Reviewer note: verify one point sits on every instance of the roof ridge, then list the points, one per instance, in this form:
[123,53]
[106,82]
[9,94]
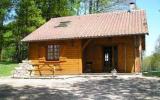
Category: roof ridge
[112,12]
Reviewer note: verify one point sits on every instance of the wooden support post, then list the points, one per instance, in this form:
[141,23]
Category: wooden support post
[81,59]
[135,52]
[140,52]
[85,45]
[125,65]
[83,52]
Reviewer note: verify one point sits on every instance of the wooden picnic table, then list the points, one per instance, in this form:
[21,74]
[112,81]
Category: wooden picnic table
[51,64]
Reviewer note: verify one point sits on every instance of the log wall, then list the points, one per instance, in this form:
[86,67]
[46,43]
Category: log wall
[71,54]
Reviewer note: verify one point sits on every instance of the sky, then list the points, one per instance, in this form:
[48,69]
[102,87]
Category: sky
[152,8]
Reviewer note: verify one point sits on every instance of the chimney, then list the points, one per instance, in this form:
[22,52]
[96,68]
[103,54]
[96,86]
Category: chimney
[132,5]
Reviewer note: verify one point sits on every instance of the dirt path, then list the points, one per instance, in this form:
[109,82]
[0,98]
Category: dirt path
[99,87]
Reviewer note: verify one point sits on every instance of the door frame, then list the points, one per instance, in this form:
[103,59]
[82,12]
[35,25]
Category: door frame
[114,57]
[109,58]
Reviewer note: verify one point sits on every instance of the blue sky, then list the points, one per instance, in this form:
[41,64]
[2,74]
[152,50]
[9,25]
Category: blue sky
[152,8]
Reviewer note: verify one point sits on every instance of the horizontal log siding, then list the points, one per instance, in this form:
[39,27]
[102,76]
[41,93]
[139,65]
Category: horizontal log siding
[70,53]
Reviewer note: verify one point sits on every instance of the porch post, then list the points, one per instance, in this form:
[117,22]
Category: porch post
[125,59]
[140,53]
[81,59]
[86,44]
[135,52]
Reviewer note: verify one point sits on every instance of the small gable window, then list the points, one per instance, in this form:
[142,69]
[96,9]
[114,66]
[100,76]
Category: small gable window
[53,52]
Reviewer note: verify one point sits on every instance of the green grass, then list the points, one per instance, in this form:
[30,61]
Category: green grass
[6,68]
[152,73]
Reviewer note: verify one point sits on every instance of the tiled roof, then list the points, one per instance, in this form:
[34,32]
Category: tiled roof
[91,26]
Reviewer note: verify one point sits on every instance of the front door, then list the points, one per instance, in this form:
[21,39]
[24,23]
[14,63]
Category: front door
[107,59]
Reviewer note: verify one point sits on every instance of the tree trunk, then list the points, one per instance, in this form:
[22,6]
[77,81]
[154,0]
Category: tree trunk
[18,53]
[0,54]
[97,5]
[1,45]
[1,38]
[90,7]
[85,7]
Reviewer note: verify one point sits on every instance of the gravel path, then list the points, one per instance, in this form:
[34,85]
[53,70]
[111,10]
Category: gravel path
[86,87]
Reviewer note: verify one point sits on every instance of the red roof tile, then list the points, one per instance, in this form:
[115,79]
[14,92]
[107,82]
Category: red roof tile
[91,26]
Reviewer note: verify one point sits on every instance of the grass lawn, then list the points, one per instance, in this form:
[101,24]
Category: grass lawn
[153,73]
[6,68]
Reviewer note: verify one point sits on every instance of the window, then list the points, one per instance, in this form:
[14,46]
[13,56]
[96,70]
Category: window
[106,57]
[53,52]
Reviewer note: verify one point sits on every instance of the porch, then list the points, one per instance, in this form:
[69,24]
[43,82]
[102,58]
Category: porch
[102,55]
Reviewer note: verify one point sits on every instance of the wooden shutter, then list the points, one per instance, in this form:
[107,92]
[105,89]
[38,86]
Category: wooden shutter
[42,52]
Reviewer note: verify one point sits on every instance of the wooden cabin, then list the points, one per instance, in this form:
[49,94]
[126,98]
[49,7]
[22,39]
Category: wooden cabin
[94,43]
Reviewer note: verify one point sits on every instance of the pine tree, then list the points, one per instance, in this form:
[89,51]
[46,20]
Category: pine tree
[4,7]
[27,20]
[57,8]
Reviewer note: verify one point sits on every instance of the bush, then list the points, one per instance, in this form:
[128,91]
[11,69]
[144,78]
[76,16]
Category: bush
[152,73]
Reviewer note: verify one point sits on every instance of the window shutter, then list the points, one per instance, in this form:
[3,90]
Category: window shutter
[42,53]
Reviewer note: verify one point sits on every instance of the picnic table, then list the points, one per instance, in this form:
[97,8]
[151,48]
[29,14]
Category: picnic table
[51,64]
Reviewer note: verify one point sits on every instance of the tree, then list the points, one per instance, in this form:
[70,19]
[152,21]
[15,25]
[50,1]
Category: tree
[4,8]
[28,18]
[57,8]
[157,47]
[8,43]
[146,63]
[96,6]
[156,56]
[117,5]
[152,63]
[30,14]
[92,6]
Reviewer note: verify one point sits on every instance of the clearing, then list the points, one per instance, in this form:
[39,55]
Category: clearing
[82,87]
